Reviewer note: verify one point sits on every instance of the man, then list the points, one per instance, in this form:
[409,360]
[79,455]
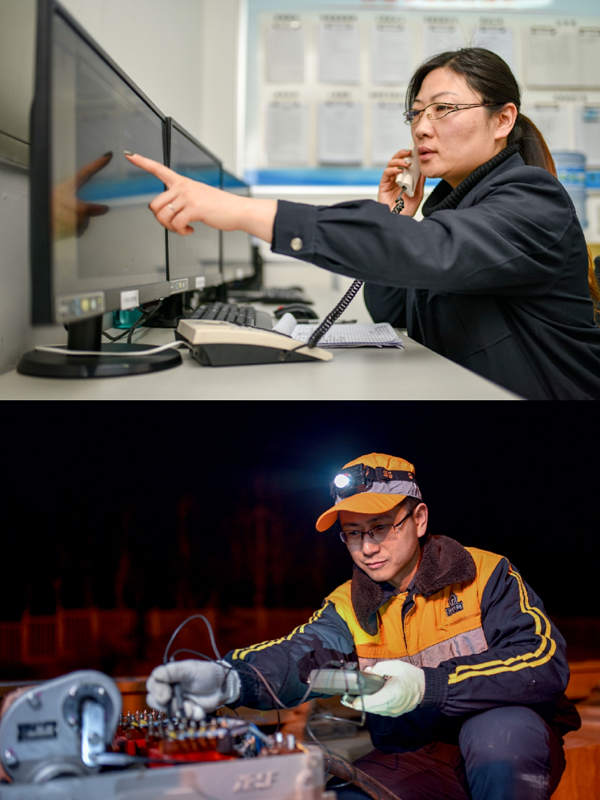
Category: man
[473,704]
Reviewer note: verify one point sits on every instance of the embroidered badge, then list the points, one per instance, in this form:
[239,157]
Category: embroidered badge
[454,605]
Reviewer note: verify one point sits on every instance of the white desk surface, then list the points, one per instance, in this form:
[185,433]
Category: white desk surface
[415,373]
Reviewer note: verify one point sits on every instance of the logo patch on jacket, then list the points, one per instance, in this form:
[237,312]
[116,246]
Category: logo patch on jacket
[454,605]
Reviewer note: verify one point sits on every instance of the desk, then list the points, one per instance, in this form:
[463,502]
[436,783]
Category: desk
[415,373]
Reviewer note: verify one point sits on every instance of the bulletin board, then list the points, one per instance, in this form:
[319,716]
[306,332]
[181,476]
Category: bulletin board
[322,84]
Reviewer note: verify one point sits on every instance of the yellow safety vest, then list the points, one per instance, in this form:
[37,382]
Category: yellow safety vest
[444,625]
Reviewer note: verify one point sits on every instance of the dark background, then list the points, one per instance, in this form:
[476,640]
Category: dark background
[158,505]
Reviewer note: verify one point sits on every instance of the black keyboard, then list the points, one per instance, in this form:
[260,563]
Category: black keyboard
[271,294]
[232,312]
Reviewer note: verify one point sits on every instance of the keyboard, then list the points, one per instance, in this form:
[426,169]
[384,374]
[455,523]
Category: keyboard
[272,294]
[245,315]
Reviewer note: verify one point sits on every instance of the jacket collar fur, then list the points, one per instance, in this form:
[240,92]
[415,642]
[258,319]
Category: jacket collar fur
[444,561]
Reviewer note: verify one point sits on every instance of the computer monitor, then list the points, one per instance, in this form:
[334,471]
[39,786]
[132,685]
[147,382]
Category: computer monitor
[95,246]
[194,261]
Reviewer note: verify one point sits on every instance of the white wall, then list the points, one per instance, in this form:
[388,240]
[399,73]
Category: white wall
[219,79]
[157,43]
[181,53]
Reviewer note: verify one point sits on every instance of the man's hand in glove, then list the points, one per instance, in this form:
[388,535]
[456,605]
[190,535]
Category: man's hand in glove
[401,693]
[192,687]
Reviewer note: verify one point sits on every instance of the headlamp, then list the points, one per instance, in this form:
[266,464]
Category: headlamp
[341,481]
[361,477]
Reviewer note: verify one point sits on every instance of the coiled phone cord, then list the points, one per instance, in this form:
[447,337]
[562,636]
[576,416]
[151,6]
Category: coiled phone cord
[334,314]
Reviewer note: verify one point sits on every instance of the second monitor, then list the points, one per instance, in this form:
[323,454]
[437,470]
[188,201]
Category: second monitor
[194,261]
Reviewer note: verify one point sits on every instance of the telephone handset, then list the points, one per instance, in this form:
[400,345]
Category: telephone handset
[407,182]
[407,179]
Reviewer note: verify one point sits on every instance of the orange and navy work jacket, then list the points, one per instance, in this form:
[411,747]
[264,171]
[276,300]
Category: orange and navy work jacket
[477,629]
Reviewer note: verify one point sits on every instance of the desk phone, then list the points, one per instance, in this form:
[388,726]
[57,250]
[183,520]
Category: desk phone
[217,343]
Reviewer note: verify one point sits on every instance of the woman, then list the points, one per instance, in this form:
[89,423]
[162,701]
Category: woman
[495,277]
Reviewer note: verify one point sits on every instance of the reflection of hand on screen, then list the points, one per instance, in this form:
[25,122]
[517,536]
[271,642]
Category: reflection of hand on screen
[71,215]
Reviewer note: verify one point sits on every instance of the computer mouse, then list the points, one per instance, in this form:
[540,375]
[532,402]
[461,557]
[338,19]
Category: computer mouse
[299,310]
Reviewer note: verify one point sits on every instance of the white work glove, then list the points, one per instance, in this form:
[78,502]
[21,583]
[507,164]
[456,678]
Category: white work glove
[401,693]
[192,687]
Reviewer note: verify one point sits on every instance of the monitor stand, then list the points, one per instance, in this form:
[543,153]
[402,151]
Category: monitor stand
[86,335]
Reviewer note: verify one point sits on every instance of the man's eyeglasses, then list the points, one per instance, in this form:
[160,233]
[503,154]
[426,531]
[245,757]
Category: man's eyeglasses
[376,534]
[439,110]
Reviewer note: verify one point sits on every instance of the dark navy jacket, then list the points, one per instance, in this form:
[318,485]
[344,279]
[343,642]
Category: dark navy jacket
[502,651]
[497,284]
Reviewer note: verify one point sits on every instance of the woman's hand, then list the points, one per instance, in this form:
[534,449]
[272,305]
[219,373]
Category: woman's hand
[389,189]
[186,201]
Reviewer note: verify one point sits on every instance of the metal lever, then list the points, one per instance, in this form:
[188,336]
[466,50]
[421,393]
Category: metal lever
[93,732]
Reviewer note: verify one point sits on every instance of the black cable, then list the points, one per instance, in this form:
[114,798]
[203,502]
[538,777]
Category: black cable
[191,652]
[126,332]
[142,320]
[146,315]
[185,622]
[177,695]
[270,690]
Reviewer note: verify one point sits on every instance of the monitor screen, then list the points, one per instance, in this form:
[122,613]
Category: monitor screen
[196,257]
[237,245]
[95,245]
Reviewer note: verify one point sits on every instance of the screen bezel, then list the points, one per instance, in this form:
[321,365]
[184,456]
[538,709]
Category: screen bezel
[251,266]
[218,280]
[43,294]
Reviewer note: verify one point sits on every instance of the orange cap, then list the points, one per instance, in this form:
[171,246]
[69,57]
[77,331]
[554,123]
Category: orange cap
[381,495]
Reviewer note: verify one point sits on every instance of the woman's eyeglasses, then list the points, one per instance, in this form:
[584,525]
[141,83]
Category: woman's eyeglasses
[439,110]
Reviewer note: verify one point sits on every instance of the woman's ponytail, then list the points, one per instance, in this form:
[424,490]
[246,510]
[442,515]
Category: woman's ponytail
[532,145]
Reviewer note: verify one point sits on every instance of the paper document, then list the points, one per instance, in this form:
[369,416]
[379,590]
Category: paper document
[551,56]
[441,34]
[340,132]
[286,136]
[285,50]
[588,48]
[388,131]
[339,49]
[497,37]
[354,334]
[554,121]
[391,51]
